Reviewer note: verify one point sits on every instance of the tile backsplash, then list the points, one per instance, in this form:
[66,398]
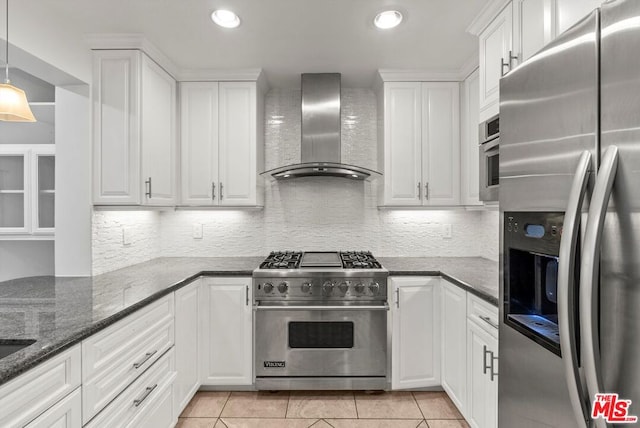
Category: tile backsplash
[313,213]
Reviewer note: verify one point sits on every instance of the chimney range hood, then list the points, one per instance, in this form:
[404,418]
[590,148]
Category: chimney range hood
[321,133]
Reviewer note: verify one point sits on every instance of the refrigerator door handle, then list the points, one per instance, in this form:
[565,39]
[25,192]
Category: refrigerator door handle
[590,273]
[567,289]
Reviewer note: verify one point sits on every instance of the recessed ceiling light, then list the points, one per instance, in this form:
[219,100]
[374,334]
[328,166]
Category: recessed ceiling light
[225,18]
[388,19]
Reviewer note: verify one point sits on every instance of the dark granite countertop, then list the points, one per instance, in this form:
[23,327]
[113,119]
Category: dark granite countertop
[59,312]
[475,274]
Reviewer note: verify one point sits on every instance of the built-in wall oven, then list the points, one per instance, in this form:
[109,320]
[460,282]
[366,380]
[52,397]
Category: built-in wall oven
[319,325]
[489,159]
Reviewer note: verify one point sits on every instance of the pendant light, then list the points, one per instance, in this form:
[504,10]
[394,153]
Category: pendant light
[14,106]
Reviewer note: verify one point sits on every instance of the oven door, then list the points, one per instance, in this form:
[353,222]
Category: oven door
[489,170]
[296,339]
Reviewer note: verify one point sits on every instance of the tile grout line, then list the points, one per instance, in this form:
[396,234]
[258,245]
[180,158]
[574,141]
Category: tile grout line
[223,406]
[418,404]
[355,404]
[325,421]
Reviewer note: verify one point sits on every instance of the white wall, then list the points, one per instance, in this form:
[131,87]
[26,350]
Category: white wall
[25,258]
[73,182]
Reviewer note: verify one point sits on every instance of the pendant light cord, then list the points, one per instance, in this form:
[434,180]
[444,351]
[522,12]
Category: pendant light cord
[6,69]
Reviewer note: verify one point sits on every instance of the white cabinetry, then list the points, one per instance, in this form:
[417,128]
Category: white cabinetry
[571,11]
[66,413]
[535,25]
[27,191]
[134,141]
[43,389]
[421,144]
[469,149]
[415,320]
[454,343]
[495,60]
[186,344]
[221,143]
[482,364]
[225,331]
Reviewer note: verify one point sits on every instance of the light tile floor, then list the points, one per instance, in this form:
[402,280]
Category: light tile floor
[321,409]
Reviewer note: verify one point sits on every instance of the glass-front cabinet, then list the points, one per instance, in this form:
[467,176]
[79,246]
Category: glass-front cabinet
[27,191]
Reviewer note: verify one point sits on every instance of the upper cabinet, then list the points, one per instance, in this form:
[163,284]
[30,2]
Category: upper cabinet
[470,176]
[134,138]
[421,143]
[514,33]
[535,25]
[496,59]
[27,191]
[221,143]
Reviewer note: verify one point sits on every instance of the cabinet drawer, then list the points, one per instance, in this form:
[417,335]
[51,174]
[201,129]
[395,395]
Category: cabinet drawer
[115,357]
[483,313]
[66,413]
[27,396]
[145,401]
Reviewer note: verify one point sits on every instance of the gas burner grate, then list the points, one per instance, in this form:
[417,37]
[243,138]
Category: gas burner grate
[359,260]
[282,260]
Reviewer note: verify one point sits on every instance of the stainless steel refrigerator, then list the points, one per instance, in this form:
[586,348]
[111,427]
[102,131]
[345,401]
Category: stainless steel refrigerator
[570,224]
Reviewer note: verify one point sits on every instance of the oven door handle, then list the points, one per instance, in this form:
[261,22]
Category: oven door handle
[491,145]
[567,290]
[384,307]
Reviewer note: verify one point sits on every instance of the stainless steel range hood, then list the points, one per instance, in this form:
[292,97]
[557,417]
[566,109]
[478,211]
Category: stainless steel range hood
[321,135]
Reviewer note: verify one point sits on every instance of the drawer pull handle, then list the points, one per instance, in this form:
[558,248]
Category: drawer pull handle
[488,321]
[145,359]
[138,401]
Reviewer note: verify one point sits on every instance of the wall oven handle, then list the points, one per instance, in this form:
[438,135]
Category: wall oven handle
[590,272]
[567,290]
[384,307]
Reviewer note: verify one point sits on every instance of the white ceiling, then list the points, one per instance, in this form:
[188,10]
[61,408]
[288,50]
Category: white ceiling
[288,37]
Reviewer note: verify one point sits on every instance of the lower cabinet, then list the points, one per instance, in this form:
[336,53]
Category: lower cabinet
[41,395]
[225,331]
[66,413]
[482,364]
[415,340]
[146,403]
[454,343]
[187,358]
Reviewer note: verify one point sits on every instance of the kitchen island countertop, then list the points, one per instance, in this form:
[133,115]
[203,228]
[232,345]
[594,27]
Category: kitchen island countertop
[59,312]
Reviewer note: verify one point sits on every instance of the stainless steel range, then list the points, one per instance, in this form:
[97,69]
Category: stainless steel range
[320,321]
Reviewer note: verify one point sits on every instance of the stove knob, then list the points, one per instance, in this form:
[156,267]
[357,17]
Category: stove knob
[306,287]
[283,287]
[327,287]
[267,287]
[359,288]
[374,287]
[343,287]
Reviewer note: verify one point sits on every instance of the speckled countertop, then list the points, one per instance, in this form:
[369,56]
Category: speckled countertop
[475,274]
[59,312]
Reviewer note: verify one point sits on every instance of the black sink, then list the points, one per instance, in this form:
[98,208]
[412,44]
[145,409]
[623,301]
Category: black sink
[9,346]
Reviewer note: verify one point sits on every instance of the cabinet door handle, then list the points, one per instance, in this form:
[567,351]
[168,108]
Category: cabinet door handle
[213,191]
[397,298]
[221,190]
[485,367]
[144,360]
[502,66]
[147,391]
[247,295]
[511,58]
[419,191]
[488,321]
[426,191]
[493,359]
[148,188]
